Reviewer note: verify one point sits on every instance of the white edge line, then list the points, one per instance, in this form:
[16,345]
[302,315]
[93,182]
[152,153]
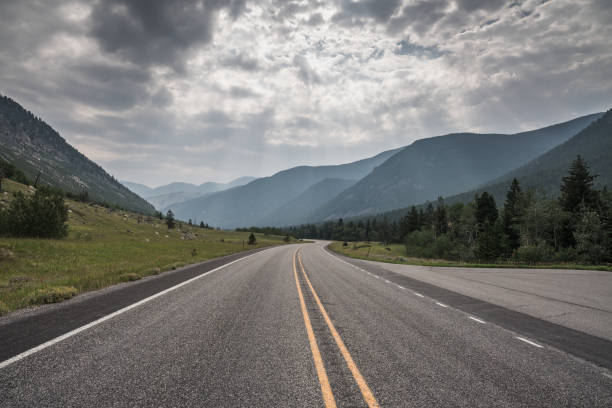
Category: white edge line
[71,333]
[476,320]
[441,304]
[529,342]
[418,294]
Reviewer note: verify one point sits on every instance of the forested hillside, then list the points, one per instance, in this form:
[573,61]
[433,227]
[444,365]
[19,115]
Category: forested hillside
[37,149]
[445,165]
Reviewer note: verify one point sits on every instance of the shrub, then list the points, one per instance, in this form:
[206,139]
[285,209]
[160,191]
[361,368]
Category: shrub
[129,277]
[532,254]
[252,239]
[43,215]
[54,294]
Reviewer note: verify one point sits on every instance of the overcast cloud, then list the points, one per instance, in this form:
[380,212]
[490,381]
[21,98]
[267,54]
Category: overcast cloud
[198,90]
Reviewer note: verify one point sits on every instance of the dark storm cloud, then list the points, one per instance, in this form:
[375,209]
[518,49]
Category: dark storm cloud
[157,32]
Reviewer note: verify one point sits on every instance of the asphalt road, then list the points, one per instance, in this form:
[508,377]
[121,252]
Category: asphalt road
[295,326]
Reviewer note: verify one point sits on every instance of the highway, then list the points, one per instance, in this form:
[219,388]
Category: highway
[297,326]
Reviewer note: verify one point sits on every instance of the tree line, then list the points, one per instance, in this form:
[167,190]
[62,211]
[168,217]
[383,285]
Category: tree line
[530,227]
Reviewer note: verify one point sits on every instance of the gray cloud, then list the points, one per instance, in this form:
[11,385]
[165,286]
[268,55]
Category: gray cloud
[158,32]
[211,90]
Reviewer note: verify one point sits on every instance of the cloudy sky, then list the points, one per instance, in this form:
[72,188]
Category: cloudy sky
[196,90]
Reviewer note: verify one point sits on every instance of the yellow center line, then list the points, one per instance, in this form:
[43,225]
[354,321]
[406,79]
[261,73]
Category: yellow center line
[328,396]
[368,396]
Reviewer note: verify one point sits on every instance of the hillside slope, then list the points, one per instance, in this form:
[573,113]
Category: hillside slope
[445,165]
[545,173]
[297,210]
[247,205]
[34,146]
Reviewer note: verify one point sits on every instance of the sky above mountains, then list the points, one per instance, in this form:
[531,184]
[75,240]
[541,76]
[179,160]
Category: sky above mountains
[191,90]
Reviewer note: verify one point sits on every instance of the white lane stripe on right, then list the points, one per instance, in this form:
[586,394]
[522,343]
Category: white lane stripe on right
[441,304]
[418,294]
[56,340]
[529,342]
[476,320]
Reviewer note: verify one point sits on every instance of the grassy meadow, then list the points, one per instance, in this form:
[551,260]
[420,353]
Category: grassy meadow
[396,253]
[103,247]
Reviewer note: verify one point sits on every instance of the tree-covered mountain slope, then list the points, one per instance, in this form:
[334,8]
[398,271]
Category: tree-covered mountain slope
[445,165]
[33,146]
[247,205]
[298,210]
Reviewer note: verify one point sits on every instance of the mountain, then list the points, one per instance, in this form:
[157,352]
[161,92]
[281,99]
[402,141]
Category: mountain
[178,192]
[298,210]
[33,146]
[445,165]
[545,173]
[247,205]
[137,188]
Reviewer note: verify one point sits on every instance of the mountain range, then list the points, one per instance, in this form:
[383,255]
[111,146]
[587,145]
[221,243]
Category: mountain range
[258,200]
[177,192]
[455,166]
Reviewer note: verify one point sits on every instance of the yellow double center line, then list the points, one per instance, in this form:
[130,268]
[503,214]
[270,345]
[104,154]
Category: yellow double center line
[328,396]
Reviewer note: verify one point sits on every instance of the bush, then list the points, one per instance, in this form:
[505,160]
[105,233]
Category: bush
[252,239]
[533,254]
[129,277]
[42,216]
[54,294]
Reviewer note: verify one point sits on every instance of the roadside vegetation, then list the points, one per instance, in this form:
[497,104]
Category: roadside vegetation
[531,229]
[97,247]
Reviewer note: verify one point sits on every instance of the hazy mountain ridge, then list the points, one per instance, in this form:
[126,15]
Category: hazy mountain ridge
[33,146]
[248,204]
[445,165]
[178,192]
[298,210]
[594,144]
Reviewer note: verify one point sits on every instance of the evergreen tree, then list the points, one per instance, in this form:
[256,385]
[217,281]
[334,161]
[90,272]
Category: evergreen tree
[170,219]
[440,219]
[513,211]
[202,224]
[413,221]
[577,188]
[486,210]
[252,239]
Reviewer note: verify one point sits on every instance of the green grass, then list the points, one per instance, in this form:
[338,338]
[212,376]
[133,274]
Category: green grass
[396,253]
[103,248]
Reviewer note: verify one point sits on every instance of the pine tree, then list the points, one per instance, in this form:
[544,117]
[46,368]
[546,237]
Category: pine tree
[577,188]
[513,211]
[486,210]
[170,219]
[252,239]
[440,219]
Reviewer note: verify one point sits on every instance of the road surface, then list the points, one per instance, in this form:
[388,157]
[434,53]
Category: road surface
[296,326]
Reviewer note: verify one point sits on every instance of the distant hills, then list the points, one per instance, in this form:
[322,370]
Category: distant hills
[34,146]
[258,200]
[445,165]
[298,210]
[177,192]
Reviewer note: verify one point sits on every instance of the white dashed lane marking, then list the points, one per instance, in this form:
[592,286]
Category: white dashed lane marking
[476,320]
[529,342]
